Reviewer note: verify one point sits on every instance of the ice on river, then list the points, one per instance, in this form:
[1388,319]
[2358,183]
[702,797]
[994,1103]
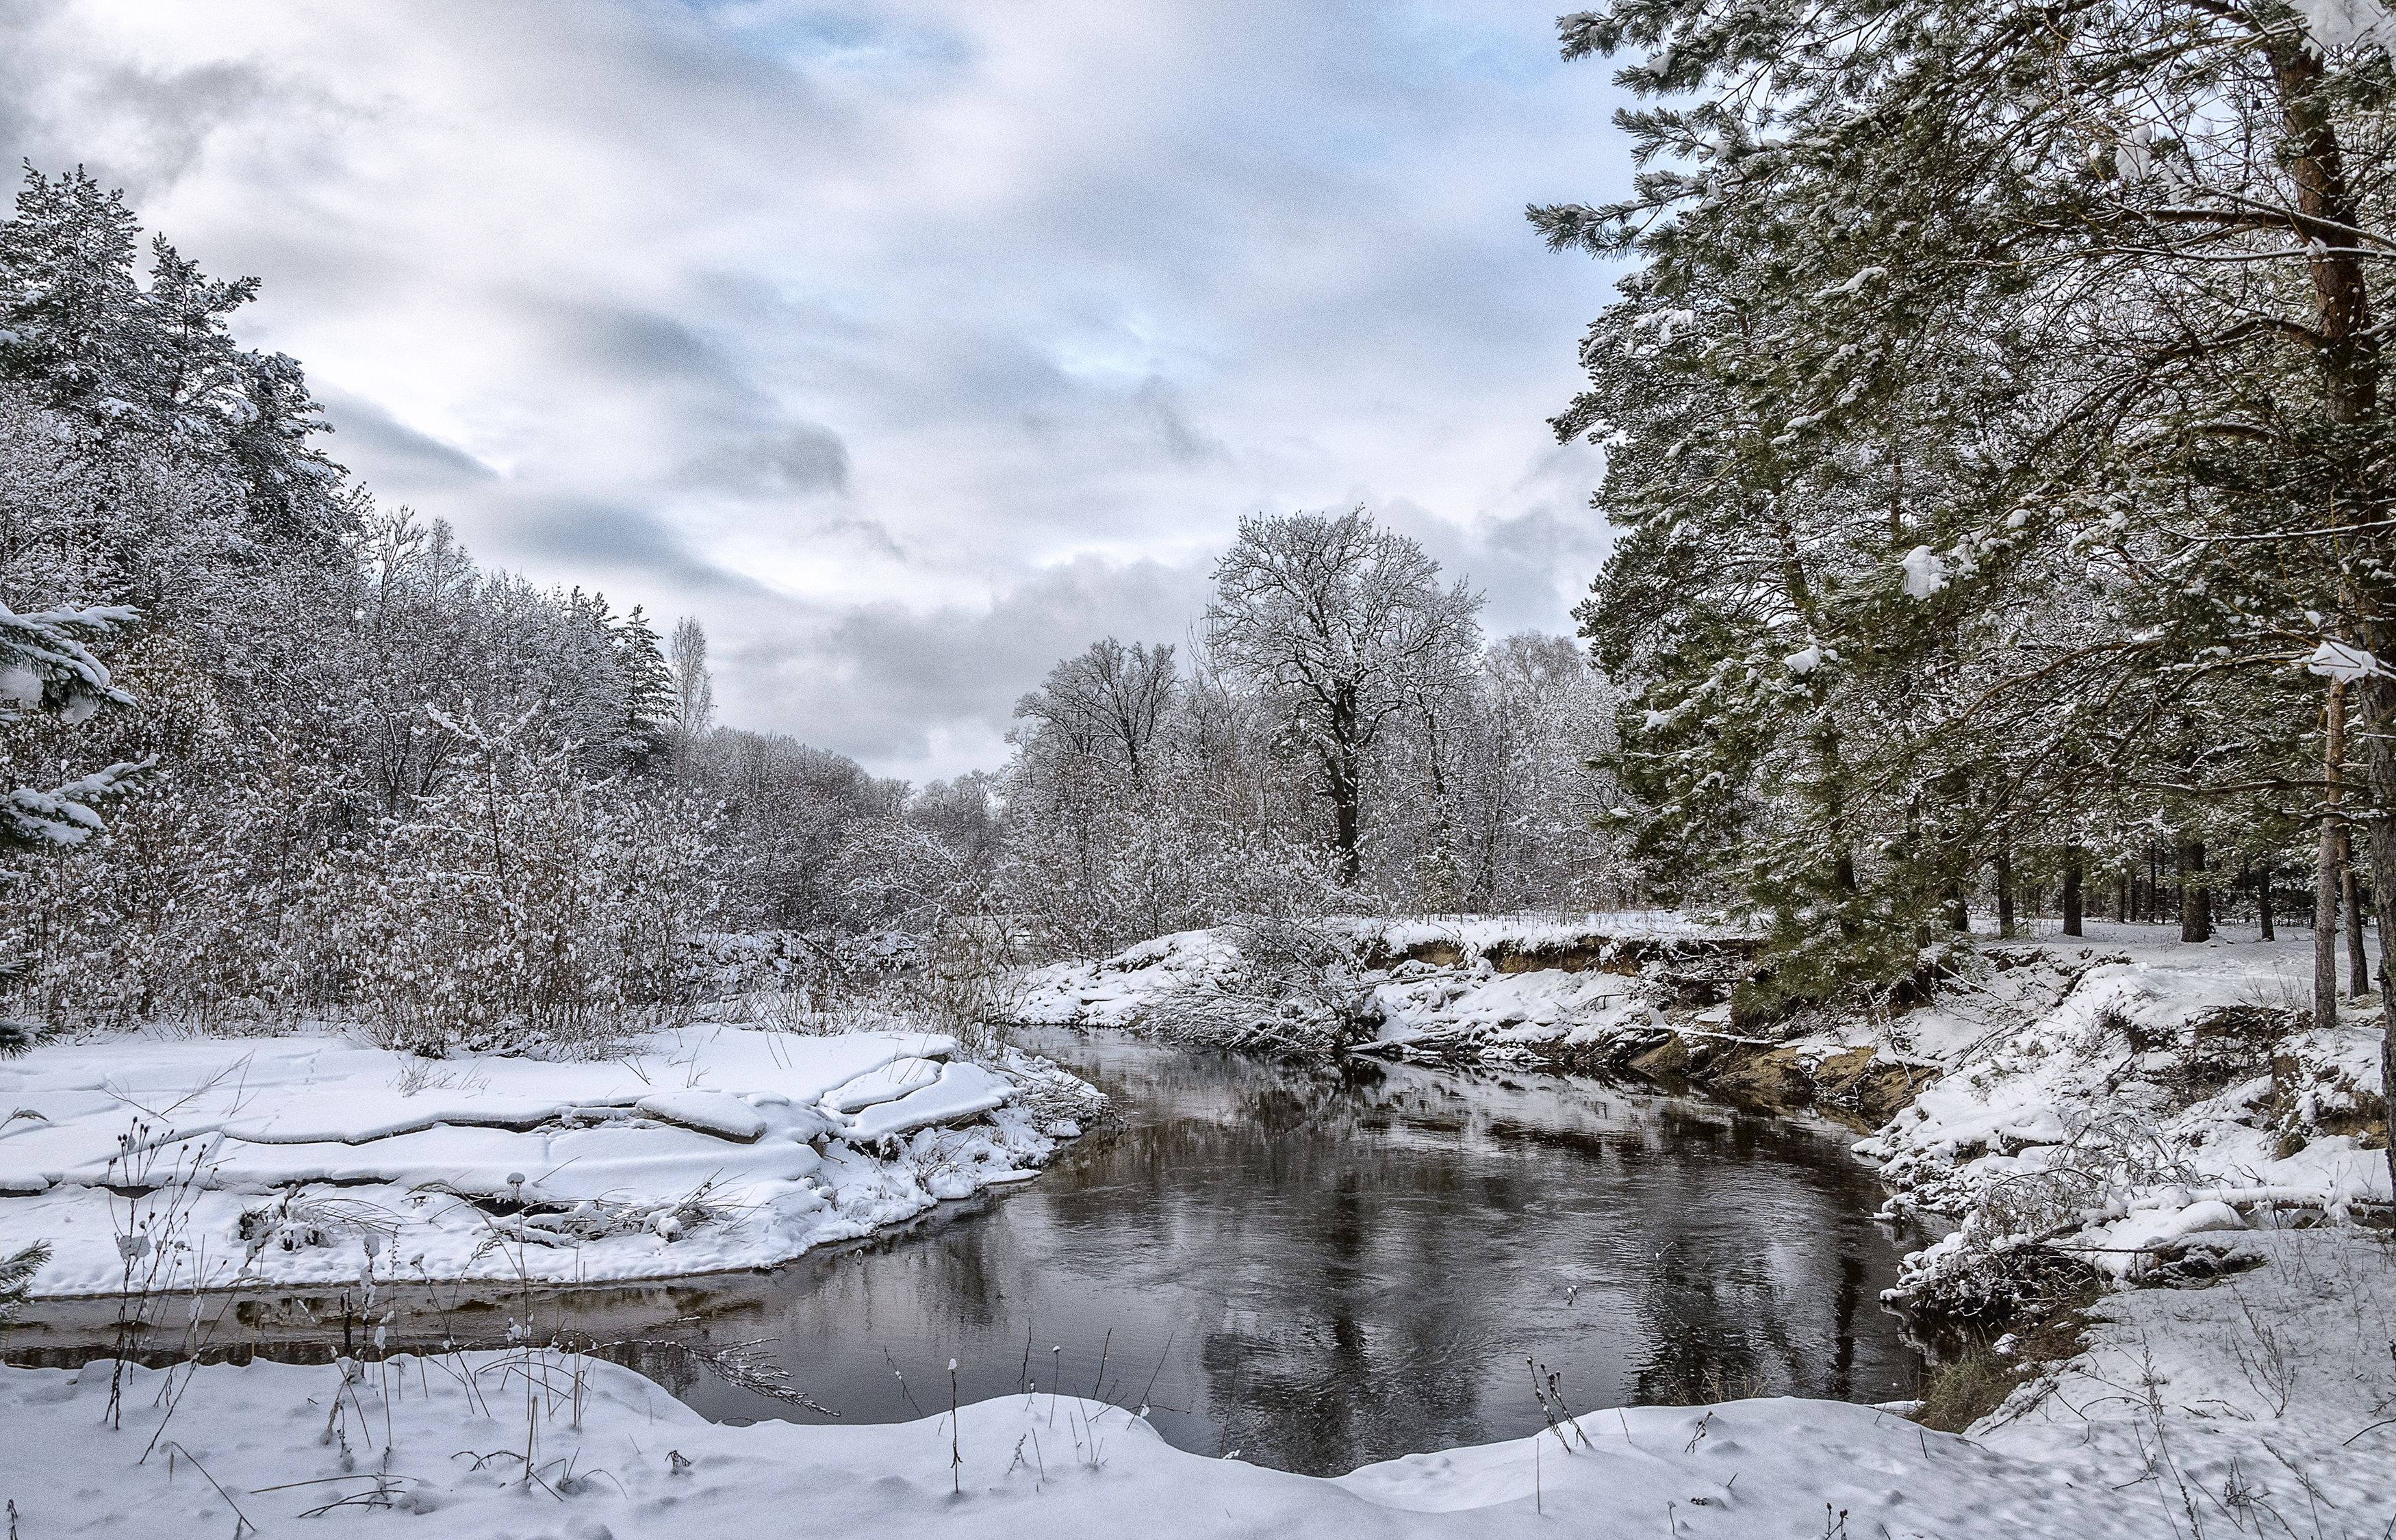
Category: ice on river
[151,1162]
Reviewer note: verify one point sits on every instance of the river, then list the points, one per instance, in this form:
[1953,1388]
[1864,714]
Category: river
[1312,1267]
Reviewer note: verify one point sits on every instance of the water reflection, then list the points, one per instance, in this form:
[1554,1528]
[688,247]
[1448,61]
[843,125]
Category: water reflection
[1313,1267]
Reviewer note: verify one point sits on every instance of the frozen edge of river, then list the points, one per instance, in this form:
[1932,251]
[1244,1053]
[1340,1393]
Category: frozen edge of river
[153,1164]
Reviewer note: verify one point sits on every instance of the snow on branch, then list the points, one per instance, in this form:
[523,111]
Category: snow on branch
[2342,661]
[63,815]
[45,664]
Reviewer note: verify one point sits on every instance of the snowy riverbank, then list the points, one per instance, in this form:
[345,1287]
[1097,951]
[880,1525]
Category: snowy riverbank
[614,1457]
[2141,1113]
[2123,1074]
[148,1162]
[2142,1147]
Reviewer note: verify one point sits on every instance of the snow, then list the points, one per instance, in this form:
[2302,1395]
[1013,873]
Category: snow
[958,1092]
[2341,661]
[616,1456]
[1926,573]
[304,1158]
[2341,22]
[1415,997]
[2096,1091]
[2263,1393]
[717,1112]
[2100,1089]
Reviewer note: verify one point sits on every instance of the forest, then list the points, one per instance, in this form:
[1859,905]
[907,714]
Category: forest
[313,760]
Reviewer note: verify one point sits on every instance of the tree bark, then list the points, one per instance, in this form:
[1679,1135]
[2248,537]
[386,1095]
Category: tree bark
[2379,759]
[2326,873]
[2358,950]
[1342,768]
[2071,873]
[2263,901]
[2003,871]
[2195,898]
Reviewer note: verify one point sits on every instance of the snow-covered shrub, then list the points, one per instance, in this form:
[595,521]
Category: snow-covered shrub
[524,907]
[1293,988]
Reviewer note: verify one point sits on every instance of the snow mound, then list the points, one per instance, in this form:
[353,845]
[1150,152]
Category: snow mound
[717,1112]
[284,1441]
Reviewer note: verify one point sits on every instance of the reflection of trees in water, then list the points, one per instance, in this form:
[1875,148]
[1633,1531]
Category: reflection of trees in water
[1728,1318]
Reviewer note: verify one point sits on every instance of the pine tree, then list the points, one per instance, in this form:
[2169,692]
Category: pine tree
[17,1272]
[1991,417]
[47,666]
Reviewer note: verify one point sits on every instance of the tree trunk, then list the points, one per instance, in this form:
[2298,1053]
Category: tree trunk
[1342,765]
[2121,893]
[2071,893]
[2263,900]
[2003,865]
[2358,951]
[2195,898]
[2380,760]
[2348,356]
[2325,874]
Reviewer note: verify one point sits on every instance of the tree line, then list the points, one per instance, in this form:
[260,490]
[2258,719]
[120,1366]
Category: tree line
[1995,446]
[274,751]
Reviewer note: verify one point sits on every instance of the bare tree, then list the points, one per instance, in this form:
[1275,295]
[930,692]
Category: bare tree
[694,687]
[1347,626]
[1110,698]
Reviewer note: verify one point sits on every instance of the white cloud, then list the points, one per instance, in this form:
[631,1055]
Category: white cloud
[851,329]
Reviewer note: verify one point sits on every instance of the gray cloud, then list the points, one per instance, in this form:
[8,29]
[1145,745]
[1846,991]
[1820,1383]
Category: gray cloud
[891,676]
[597,539]
[800,457]
[373,442]
[1160,406]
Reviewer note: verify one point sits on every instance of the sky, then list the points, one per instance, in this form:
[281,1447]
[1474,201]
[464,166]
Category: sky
[910,347]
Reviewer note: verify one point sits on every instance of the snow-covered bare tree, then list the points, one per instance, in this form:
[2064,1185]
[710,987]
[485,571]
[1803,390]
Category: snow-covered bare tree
[694,687]
[1346,627]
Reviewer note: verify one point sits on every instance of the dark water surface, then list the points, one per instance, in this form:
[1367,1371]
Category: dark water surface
[1314,1266]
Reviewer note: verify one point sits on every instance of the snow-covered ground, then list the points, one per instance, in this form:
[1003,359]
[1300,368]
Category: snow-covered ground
[149,1161]
[2148,1107]
[442,1447]
[1504,982]
[2112,1096]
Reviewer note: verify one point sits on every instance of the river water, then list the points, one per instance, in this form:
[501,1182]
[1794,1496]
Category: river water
[1312,1267]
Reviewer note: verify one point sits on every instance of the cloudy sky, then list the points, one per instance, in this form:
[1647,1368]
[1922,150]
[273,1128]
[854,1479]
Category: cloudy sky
[909,346]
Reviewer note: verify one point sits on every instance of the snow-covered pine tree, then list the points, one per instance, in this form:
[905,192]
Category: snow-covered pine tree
[1993,403]
[46,665]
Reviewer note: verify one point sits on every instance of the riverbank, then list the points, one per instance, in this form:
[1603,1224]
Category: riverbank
[2185,1329]
[153,1164]
[2163,1184]
[537,1441]
[2255,1407]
